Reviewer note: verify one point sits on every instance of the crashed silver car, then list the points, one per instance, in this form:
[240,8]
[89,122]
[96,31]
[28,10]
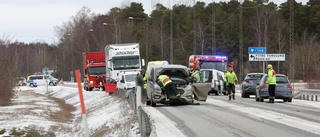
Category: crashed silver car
[180,78]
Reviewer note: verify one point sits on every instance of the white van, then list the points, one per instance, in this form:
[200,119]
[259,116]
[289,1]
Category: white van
[127,80]
[217,79]
[42,80]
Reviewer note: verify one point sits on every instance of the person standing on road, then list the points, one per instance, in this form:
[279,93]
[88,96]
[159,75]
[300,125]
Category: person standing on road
[196,74]
[165,83]
[230,78]
[271,81]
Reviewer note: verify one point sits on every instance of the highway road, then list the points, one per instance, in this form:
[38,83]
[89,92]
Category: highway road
[245,117]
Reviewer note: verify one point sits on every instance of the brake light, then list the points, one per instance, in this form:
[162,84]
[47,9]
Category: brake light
[263,86]
[215,82]
[247,81]
[289,86]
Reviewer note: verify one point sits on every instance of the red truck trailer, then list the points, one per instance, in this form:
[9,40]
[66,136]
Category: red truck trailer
[94,68]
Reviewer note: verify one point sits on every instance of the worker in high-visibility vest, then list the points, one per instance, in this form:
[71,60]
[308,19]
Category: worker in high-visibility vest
[231,79]
[271,81]
[196,75]
[166,84]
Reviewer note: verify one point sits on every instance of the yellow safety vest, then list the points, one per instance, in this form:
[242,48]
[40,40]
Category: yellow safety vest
[230,77]
[164,79]
[271,77]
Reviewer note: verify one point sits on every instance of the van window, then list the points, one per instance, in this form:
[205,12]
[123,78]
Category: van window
[205,76]
[36,77]
[46,77]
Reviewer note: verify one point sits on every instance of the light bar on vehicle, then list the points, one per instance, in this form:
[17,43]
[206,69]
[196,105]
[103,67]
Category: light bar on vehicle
[221,57]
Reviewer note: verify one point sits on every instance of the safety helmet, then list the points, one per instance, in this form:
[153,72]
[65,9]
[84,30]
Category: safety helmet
[269,66]
[142,71]
[197,68]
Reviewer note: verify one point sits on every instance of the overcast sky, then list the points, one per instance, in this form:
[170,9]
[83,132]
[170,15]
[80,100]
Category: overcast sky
[34,20]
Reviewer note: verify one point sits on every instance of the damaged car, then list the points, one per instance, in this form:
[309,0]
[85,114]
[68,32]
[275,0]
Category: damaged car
[180,78]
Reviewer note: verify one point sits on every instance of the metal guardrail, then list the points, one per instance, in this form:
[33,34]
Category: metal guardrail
[307,94]
[134,98]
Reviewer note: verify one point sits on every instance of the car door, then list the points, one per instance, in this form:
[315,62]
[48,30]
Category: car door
[201,89]
[110,85]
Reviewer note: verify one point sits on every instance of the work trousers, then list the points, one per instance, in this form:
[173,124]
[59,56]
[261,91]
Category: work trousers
[272,90]
[231,89]
[170,89]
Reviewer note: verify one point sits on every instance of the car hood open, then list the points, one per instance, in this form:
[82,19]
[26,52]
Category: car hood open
[175,73]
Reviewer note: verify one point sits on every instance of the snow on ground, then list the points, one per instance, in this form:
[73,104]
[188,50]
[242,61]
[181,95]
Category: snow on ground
[107,115]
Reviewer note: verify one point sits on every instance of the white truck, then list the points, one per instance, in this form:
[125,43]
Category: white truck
[122,57]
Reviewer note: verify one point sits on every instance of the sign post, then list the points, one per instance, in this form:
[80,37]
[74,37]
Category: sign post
[258,50]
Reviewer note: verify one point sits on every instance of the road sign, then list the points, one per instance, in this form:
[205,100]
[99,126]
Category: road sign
[257,50]
[267,57]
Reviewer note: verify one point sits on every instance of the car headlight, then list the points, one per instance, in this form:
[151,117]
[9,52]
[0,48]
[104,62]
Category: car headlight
[157,87]
[91,82]
[188,87]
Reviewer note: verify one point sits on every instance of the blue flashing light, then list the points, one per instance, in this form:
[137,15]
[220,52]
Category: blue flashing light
[221,57]
[206,57]
[165,63]
[91,62]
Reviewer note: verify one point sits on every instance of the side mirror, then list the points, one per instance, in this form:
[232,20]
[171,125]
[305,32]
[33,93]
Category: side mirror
[142,62]
[122,81]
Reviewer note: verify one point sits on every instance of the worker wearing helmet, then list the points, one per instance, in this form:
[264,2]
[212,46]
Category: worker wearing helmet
[271,81]
[196,75]
[231,79]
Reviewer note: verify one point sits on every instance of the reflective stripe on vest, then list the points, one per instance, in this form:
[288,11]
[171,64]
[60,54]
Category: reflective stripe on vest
[165,80]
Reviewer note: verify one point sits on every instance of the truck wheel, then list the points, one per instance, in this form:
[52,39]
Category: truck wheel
[90,89]
[289,99]
[260,99]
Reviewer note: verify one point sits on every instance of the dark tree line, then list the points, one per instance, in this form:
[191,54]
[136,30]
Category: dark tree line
[203,28]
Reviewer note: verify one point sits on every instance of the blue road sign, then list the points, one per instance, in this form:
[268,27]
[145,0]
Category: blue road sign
[257,50]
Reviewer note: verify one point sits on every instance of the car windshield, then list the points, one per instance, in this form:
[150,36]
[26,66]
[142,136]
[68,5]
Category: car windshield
[205,76]
[130,78]
[126,62]
[221,66]
[97,70]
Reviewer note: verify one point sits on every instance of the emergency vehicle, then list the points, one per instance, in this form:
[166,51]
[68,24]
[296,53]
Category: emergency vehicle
[95,72]
[218,65]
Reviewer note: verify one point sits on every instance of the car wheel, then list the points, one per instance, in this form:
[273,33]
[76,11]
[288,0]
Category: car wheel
[152,103]
[148,102]
[217,93]
[290,100]
[242,95]
[51,84]
[285,100]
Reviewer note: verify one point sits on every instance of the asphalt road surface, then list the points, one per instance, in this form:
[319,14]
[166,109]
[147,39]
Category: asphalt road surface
[244,117]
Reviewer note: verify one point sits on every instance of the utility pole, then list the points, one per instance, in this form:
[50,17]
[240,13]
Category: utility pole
[171,38]
[241,41]
[213,44]
[194,26]
[291,69]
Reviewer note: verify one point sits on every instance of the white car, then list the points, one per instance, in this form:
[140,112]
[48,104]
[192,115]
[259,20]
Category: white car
[127,80]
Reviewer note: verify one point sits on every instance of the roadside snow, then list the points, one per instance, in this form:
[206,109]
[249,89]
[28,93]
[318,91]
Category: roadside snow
[107,115]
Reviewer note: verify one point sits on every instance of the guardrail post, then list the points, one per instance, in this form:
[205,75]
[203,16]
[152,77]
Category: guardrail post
[316,98]
[303,96]
[308,97]
[311,97]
